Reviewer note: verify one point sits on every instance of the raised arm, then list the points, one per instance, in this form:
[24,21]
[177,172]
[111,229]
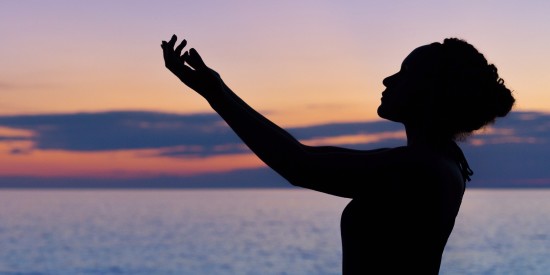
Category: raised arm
[273,145]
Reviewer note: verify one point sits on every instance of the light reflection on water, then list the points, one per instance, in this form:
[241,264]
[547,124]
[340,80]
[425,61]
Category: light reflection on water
[243,232]
[501,232]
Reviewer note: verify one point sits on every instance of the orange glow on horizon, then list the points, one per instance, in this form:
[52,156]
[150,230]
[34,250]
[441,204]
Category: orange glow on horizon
[356,139]
[117,164]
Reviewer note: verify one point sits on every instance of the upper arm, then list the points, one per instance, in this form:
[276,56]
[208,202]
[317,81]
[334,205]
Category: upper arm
[349,173]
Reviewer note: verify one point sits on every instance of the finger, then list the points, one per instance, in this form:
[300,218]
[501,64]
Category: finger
[180,47]
[172,41]
[195,60]
[166,50]
[184,56]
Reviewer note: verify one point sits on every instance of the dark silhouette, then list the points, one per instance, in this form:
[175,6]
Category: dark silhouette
[404,199]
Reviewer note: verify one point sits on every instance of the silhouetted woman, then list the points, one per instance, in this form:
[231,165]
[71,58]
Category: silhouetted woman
[404,200]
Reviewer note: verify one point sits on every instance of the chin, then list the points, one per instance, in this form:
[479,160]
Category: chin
[386,114]
[382,112]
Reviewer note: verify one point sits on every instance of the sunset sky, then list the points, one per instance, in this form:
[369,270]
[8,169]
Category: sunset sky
[70,68]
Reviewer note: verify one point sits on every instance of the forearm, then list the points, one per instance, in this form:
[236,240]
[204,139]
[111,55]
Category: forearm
[272,144]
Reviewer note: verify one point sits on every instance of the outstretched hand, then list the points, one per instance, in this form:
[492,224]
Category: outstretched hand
[190,68]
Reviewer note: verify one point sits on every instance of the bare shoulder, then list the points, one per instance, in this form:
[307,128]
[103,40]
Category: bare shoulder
[437,167]
[431,159]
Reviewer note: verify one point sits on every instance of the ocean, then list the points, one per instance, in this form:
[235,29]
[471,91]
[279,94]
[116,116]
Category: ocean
[244,231]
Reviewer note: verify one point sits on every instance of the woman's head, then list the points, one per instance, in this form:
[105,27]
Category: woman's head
[449,87]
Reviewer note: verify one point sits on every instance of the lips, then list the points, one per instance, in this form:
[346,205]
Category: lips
[381,98]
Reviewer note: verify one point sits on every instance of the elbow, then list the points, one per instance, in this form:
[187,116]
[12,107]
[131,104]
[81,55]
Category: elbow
[292,165]
[294,180]
[295,172]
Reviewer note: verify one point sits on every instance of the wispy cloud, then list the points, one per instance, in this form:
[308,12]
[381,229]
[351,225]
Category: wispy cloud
[4,86]
[206,134]
[123,130]
[14,86]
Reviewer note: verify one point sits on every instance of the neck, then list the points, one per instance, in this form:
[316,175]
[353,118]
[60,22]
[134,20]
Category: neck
[423,136]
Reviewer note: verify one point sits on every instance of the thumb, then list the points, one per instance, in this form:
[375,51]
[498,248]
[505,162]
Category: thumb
[195,60]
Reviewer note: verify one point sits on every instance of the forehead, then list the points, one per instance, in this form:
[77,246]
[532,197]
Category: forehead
[423,56]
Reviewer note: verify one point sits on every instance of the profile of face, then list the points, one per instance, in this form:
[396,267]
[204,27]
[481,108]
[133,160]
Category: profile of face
[407,91]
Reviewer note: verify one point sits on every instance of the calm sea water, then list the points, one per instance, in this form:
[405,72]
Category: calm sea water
[257,232]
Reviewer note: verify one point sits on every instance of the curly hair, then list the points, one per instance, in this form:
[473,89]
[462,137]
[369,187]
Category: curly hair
[469,93]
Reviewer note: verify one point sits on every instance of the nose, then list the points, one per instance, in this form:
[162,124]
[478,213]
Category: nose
[387,81]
